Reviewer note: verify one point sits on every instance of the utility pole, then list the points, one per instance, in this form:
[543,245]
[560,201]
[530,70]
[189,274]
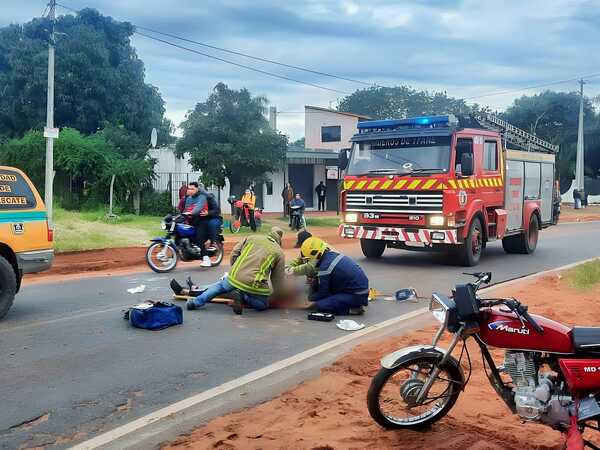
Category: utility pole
[579,168]
[50,133]
[273,117]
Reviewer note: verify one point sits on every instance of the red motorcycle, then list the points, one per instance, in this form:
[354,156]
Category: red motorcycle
[242,216]
[550,373]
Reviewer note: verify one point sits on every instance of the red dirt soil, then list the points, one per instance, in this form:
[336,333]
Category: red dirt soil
[130,259]
[330,412]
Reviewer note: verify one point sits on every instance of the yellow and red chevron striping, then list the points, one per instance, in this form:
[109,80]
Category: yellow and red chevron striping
[411,184]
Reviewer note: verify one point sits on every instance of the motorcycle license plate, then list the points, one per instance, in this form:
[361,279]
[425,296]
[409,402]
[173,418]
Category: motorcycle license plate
[371,216]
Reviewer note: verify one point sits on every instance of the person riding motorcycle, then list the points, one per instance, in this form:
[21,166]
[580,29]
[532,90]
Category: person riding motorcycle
[297,205]
[249,201]
[196,206]
[343,287]
[213,219]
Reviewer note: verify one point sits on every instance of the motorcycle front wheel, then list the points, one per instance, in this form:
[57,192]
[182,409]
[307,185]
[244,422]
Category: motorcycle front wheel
[392,397]
[161,257]
[235,224]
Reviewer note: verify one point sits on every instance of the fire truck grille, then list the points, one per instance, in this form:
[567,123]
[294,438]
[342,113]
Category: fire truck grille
[398,202]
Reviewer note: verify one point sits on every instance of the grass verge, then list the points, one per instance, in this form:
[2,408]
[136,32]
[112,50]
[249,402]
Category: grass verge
[585,276]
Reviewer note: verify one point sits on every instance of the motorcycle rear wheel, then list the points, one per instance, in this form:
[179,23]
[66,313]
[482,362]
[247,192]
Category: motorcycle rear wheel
[399,387]
[161,258]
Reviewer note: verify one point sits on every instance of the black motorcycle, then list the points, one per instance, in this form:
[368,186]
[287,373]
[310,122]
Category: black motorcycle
[164,252]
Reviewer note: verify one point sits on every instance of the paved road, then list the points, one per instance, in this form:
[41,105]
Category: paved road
[71,365]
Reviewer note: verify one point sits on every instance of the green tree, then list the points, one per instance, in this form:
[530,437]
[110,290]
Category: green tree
[84,165]
[554,116]
[98,78]
[398,102]
[228,137]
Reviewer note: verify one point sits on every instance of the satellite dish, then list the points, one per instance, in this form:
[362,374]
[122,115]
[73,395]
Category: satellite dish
[153,137]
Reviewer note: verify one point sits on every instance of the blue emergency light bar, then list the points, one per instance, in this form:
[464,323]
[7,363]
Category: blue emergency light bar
[412,122]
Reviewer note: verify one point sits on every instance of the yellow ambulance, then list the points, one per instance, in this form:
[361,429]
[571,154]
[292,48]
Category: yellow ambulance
[25,238]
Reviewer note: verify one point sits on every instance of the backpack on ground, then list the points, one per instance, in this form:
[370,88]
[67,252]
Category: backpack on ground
[154,315]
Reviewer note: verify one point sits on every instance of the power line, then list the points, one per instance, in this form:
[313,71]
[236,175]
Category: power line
[256,58]
[264,72]
[488,94]
[532,87]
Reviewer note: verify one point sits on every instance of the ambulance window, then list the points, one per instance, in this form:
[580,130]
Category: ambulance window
[490,156]
[463,146]
[15,193]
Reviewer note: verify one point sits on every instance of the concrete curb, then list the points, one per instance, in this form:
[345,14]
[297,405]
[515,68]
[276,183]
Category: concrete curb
[181,417]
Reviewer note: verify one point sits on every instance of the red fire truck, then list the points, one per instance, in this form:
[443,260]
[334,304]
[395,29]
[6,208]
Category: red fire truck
[448,184]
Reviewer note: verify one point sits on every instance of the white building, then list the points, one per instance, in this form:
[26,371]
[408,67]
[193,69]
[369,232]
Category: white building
[326,132]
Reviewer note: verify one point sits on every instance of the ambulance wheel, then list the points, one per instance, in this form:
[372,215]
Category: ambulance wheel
[8,286]
[372,248]
[469,253]
[524,243]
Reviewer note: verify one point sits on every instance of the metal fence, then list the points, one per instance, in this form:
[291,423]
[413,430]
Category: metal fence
[172,181]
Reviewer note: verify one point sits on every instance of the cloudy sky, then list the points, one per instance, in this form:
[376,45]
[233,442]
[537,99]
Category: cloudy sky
[468,48]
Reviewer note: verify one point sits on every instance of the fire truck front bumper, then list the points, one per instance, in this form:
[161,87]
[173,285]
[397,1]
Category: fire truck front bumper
[417,237]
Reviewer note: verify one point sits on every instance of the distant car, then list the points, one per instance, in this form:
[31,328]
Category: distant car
[26,241]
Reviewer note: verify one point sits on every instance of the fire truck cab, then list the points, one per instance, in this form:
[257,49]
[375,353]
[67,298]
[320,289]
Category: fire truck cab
[447,184]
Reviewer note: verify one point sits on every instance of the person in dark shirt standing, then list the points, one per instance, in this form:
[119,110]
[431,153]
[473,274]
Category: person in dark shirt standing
[321,191]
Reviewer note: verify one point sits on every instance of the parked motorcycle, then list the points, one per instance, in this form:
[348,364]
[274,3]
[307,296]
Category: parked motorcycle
[297,218]
[241,215]
[550,373]
[164,252]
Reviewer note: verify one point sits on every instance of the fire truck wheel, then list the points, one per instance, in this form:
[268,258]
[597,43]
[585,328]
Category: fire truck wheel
[470,250]
[524,243]
[372,248]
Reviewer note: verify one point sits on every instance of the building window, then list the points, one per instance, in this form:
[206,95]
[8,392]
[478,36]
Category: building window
[490,156]
[269,187]
[331,134]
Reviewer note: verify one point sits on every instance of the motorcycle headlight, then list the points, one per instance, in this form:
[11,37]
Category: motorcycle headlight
[163,225]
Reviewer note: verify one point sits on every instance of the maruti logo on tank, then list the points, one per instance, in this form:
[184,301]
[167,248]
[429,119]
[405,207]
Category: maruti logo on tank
[502,325]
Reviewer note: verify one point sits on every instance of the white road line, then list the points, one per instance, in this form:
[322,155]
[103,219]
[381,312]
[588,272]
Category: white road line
[194,400]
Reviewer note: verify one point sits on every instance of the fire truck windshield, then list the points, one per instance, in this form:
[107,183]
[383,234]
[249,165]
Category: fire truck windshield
[401,155]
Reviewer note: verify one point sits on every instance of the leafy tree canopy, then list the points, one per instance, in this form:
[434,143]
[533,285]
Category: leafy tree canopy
[228,137]
[554,116]
[98,78]
[379,102]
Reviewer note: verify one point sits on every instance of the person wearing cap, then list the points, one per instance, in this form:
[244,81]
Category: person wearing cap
[343,287]
[254,261]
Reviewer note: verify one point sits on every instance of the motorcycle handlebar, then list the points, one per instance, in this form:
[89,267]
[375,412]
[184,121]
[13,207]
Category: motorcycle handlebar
[536,326]
[517,308]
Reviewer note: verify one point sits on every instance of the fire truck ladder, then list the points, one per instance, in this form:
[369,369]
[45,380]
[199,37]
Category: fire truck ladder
[515,136]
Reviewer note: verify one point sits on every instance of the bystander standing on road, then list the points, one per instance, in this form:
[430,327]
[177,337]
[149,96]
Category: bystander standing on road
[321,191]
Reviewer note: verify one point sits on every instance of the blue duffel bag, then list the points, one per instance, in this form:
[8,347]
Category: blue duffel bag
[154,315]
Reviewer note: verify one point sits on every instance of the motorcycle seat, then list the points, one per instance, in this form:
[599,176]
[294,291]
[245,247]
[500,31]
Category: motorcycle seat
[586,339]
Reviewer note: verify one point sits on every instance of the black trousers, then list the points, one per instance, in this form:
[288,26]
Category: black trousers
[321,203]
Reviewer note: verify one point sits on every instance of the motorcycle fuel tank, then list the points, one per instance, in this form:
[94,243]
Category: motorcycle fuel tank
[184,230]
[504,330]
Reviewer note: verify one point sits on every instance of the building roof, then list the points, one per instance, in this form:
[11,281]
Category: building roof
[318,108]
[311,156]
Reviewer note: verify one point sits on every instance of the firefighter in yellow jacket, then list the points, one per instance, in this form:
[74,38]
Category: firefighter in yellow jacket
[254,261]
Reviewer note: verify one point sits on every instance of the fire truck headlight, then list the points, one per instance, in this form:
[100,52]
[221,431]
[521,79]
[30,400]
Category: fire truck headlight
[351,217]
[436,221]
